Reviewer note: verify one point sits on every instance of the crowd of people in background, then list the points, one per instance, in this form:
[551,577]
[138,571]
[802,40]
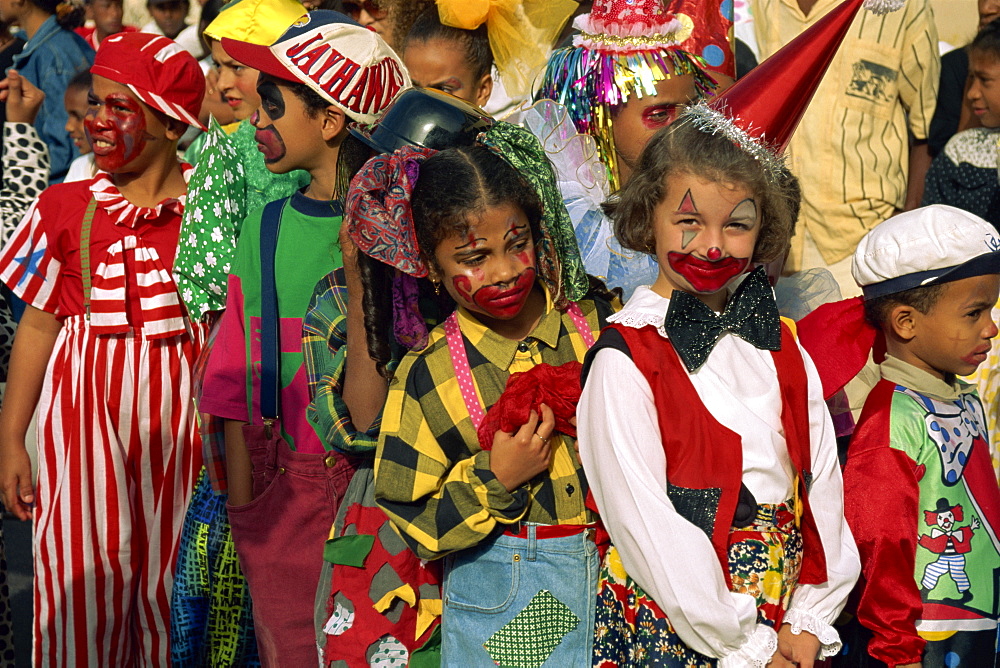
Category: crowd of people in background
[506,332]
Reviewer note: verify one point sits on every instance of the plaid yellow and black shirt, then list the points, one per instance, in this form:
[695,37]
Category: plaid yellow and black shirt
[432,478]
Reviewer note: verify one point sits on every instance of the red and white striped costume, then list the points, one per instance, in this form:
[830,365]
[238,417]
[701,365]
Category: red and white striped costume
[118,447]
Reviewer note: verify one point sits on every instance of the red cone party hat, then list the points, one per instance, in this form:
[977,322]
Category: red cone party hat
[761,111]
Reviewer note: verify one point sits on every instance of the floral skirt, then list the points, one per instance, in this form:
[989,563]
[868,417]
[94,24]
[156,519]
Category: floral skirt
[764,561]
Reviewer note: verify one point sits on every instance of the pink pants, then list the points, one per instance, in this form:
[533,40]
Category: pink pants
[279,538]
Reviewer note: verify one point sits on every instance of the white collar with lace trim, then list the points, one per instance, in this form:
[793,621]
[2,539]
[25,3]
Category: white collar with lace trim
[122,211]
[643,308]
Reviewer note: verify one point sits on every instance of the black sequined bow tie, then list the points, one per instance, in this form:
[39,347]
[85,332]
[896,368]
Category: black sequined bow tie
[751,314]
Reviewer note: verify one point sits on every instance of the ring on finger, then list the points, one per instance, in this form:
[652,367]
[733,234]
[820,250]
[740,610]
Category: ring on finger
[544,440]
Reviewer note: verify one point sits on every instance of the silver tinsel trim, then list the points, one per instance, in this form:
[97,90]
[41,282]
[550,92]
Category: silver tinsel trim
[883,6]
[711,121]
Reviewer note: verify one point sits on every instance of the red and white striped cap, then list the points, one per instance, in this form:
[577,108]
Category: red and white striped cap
[161,73]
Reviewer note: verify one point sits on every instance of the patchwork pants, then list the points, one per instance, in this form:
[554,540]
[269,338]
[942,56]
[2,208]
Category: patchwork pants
[118,452]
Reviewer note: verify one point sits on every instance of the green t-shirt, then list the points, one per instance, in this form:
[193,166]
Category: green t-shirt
[308,249]
[229,181]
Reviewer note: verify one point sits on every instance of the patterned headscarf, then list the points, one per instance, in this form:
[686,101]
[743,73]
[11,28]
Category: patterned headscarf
[379,218]
[380,221]
[560,265]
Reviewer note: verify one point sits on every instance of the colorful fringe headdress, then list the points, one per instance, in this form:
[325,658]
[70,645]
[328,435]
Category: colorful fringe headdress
[380,222]
[521,32]
[624,48]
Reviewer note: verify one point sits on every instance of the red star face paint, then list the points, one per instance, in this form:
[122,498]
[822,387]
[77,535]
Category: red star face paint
[116,128]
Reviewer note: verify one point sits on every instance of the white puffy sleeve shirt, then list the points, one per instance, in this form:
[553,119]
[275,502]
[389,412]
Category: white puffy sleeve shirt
[672,559]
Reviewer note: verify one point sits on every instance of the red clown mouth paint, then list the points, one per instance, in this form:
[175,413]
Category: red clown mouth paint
[496,301]
[704,275]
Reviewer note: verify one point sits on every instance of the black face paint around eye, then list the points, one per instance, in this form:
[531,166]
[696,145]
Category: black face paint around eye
[271,99]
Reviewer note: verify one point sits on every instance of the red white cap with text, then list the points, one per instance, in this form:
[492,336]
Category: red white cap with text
[345,63]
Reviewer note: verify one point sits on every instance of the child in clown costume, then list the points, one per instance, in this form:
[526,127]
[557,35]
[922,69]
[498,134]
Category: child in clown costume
[920,490]
[323,72]
[703,431]
[632,67]
[211,610]
[367,611]
[471,472]
[105,350]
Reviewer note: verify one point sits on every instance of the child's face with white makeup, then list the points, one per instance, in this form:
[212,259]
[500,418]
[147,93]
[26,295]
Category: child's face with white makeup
[490,270]
[705,235]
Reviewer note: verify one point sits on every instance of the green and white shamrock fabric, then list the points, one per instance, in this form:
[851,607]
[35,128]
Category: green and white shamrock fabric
[230,180]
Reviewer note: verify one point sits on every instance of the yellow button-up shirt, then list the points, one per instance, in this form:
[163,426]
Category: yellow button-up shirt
[851,151]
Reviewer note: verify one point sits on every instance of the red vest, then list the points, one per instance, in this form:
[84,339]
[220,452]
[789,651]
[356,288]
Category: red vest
[705,459]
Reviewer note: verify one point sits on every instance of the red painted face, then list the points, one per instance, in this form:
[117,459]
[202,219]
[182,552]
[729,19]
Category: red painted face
[492,269]
[116,128]
[706,232]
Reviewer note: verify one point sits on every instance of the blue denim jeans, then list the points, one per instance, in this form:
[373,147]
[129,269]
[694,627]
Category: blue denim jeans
[510,599]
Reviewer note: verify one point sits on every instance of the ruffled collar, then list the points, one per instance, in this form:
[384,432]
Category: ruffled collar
[122,211]
[643,308]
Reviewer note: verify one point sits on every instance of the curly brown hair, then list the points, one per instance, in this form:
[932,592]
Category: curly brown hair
[682,147]
[402,15]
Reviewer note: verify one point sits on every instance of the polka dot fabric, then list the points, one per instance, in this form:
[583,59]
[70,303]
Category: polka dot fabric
[26,174]
[463,373]
[710,39]
[964,175]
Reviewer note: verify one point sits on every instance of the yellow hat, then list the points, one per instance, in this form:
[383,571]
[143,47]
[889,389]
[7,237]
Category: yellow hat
[255,21]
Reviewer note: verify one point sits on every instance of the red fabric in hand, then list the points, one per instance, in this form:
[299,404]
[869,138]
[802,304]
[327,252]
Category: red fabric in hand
[558,387]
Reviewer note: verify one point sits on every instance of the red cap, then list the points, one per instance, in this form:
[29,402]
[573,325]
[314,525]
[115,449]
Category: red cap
[346,64]
[161,73]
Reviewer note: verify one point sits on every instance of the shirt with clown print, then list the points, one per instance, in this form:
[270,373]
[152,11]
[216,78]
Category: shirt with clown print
[922,499]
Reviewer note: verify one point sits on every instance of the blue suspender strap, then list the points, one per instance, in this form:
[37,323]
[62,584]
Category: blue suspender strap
[270,377]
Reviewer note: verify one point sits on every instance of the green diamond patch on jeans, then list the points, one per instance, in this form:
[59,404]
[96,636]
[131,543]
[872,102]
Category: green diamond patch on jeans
[527,640]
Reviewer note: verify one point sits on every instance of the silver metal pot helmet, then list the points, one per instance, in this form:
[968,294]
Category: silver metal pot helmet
[424,117]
